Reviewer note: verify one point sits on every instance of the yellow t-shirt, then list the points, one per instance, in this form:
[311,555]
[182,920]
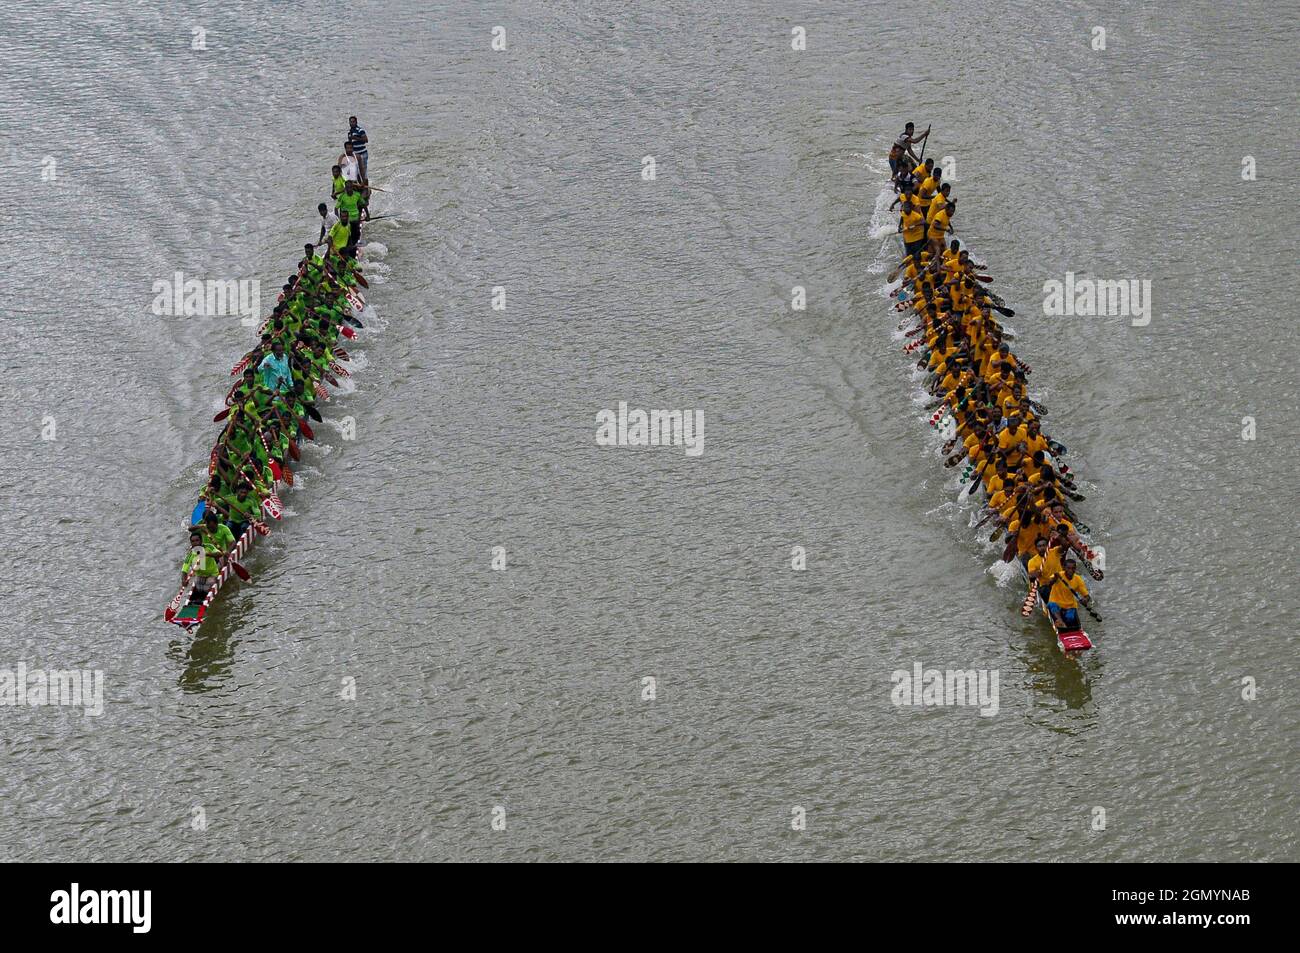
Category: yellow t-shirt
[1008,438]
[927,191]
[1027,540]
[913,226]
[1069,527]
[937,203]
[1063,591]
[1052,564]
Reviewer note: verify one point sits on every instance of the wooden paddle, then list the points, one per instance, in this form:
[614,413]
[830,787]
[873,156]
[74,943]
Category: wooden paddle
[979,473]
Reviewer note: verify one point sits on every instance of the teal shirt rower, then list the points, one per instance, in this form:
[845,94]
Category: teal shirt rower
[275,372]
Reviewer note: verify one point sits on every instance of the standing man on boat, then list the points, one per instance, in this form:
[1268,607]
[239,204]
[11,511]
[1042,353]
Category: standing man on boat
[328,220]
[348,164]
[360,147]
[903,145]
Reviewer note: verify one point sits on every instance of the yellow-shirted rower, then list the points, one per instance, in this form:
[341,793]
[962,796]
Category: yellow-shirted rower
[1068,588]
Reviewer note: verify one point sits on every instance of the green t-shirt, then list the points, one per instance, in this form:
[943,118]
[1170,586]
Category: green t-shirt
[352,204]
[244,509]
[338,236]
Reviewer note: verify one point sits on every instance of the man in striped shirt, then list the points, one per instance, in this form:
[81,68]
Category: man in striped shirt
[357,136]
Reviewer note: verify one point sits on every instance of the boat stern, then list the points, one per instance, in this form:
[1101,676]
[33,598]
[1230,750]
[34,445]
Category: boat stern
[1075,641]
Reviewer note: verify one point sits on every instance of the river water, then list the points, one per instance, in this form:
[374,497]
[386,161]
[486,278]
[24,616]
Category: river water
[521,694]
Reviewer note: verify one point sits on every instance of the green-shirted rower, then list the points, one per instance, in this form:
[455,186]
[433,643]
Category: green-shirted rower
[216,541]
[341,234]
[353,201]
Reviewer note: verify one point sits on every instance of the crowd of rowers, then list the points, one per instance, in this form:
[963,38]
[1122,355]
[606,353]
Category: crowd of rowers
[980,389]
[281,377]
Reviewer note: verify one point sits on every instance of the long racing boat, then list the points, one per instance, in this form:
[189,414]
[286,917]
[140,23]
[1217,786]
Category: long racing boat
[278,386]
[981,403]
